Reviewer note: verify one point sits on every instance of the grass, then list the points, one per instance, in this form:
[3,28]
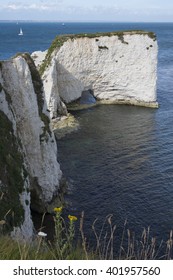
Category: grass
[65,247]
[15,250]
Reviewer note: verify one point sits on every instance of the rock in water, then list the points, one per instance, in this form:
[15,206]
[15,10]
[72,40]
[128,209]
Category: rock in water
[119,67]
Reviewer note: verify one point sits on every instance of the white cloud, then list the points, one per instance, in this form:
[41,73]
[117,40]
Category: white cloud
[39,5]
[11,7]
[112,10]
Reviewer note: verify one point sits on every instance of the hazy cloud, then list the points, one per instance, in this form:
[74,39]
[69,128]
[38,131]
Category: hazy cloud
[111,10]
[37,5]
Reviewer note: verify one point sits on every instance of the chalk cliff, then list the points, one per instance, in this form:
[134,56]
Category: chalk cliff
[118,67]
[30,174]
[112,67]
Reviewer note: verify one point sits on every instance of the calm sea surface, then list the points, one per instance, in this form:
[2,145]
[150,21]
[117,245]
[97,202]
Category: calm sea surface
[120,161]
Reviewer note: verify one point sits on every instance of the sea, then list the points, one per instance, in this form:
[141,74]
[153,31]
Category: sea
[120,161]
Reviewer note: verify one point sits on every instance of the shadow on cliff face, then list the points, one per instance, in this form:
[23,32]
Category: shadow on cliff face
[73,91]
[45,223]
[87,97]
[70,88]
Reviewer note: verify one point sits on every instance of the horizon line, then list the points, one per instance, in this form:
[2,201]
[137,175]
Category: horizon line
[80,21]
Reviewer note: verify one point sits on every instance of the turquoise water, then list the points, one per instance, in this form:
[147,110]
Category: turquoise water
[120,161]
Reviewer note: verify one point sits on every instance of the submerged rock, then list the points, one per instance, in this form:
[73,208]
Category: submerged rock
[64,125]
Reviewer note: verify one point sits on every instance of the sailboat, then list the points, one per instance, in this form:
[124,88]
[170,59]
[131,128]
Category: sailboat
[21,32]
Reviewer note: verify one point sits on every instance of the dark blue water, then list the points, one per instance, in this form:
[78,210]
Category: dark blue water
[39,35]
[120,161]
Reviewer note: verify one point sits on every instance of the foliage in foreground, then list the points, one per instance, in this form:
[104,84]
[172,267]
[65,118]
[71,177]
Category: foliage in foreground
[65,247]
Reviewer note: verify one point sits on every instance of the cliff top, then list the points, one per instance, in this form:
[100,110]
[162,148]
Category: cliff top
[109,34]
[61,39]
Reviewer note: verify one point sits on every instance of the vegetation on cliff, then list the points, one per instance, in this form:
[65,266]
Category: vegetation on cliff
[68,245]
[12,174]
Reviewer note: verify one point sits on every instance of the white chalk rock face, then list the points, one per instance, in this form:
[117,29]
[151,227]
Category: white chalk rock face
[14,179]
[52,96]
[38,57]
[32,146]
[115,67]
[40,145]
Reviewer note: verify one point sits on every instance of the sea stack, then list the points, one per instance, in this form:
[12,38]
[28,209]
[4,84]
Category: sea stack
[116,67]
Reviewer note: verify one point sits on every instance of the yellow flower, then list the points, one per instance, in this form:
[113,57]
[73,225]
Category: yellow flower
[57,209]
[72,218]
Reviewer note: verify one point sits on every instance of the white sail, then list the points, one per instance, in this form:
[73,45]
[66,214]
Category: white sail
[21,32]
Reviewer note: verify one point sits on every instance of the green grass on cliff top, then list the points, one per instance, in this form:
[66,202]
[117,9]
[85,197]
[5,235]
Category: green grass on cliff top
[61,39]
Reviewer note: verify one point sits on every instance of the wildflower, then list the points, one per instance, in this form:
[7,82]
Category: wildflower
[42,234]
[72,218]
[57,209]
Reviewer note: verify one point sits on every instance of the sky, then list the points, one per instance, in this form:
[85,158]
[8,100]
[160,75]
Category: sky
[88,10]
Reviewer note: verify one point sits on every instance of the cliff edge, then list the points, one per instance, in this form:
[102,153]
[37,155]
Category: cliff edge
[30,174]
